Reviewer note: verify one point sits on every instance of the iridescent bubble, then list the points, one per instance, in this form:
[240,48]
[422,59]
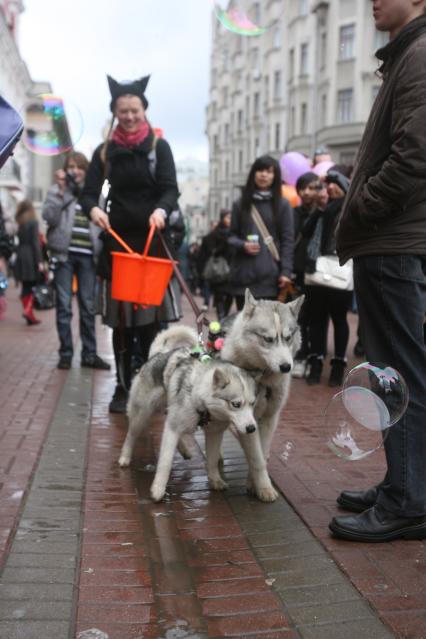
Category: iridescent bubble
[243,17]
[385,382]
[52,126]
[356,421]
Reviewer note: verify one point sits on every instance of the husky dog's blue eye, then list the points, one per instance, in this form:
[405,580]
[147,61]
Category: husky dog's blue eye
[236,404]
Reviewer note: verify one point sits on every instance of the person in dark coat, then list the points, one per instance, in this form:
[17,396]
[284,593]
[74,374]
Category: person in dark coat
[5,252]
[383,228]
[216,244]
[29,259]
[141,171]
[253,265]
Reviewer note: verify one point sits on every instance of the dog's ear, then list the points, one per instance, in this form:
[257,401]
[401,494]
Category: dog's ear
[220,379]
[296,305]
[249,303]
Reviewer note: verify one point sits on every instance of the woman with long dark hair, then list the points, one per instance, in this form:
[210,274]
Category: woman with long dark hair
[29,259]
[254,266]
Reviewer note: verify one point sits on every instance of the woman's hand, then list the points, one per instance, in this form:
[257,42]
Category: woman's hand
[157,218]
[283,281]
[100,218]
[252,248]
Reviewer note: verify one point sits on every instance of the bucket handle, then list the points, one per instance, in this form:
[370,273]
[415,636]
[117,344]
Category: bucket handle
[127,247]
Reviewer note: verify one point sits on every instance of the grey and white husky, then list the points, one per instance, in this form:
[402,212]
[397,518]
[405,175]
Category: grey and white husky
[263,339]
[215,394]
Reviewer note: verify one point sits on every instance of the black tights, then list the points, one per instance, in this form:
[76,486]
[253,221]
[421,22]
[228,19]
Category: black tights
[324,302]
[129,342]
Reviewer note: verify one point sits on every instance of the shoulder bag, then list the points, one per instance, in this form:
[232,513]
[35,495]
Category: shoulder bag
[328,272]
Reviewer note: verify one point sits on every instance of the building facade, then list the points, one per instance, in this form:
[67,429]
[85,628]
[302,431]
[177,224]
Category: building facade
[309,81]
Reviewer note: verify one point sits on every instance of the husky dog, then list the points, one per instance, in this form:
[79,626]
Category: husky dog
[263,339]
[215,395]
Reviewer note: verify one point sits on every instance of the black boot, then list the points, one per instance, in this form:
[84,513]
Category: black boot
[337,372]
[315,364]
[118,402]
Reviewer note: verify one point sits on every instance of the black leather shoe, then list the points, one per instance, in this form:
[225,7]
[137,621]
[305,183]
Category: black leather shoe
[357,500]
[376,525]
[118,403]
[64,363]
[95,362]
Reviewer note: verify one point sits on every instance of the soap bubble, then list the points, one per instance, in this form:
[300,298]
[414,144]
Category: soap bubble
[287,452]
[52,126]
[355,422]
[243,17]
[385,382]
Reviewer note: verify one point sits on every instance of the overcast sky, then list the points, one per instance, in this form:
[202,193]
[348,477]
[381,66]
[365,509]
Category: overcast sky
[75,44]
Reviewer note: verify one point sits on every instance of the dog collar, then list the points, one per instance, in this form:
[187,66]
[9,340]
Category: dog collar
[204,417]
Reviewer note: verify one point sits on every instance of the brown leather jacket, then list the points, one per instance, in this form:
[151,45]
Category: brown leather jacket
[385,208]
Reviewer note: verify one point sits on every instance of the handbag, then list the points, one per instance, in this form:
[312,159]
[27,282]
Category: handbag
[44,296]
[216,270]
[328,272]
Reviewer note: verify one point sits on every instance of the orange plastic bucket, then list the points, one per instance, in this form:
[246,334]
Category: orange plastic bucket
[138,278]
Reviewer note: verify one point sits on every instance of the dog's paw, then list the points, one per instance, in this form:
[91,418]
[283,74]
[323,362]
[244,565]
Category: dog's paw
[124,461]
[267,494]
[218,484]
[157,492]
[184,451]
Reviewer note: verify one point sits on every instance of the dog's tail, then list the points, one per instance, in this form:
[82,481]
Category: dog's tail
[175,337]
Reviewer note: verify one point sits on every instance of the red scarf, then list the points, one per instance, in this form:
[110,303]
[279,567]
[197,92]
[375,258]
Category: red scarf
[131,138]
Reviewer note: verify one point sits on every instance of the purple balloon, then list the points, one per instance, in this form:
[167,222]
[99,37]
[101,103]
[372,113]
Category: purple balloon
[293,165]
[322,167]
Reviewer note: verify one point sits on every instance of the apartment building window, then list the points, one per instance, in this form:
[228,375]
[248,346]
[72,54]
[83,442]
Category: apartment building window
[226,169]
[240,119]
[277,37]
[240,161]
[225,59]
[216,177]
[214,110]
[292,123]
[291,64]
[303,118]
[225,96]
[347,42]
[304,58]
[277,85]
[255,61]
[256,105]
[345,106]
[215,143]
[256,147]
[303,7]
[255,12]
[323,49]
[324,110]
[277,140]
[226,134]
[266,86]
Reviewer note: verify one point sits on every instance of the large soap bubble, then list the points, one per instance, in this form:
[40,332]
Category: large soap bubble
[358,418]
[243,17]
[385,382]
[51,125]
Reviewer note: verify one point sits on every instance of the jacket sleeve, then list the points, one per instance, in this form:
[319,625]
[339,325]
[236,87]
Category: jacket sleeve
[387,193]
[52,207]
[93,183]
[286,239]
[165,178]
[234,238]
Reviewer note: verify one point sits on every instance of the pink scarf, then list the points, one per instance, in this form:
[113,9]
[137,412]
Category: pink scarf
[133,138]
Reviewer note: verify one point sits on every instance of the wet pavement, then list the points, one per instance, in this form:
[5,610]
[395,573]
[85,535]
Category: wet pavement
[85,552]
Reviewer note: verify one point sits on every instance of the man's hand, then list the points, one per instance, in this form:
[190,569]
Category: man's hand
[100,218]
[158,219]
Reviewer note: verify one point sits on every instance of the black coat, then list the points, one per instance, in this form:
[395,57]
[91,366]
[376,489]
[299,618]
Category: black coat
[135,193]
[260,272]
[28,254]
[6,243]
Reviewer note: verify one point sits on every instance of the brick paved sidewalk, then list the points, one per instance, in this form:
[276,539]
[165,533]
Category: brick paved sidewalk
[84,547]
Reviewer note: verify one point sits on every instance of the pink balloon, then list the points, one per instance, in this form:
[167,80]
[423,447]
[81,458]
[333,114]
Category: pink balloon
[293,165]
[321,168]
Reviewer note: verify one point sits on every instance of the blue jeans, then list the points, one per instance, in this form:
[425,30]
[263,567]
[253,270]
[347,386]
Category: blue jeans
[83,267]
[391,296]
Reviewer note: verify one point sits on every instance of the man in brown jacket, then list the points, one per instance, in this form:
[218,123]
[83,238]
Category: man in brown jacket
[383,228]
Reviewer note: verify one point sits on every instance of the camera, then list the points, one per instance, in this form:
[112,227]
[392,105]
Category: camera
[334,177]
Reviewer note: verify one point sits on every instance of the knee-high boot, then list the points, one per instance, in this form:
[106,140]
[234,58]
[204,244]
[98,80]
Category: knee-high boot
[28,314]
